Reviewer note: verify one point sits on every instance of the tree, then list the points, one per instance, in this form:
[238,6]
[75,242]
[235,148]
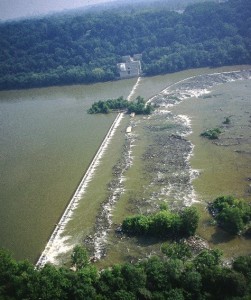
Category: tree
[50,284]
[203,277]
[87,46]
[189,221]
[163,224]
[207,259]
[156,275]
[242,264]
[176,250]
[192,283]
[8,269]
[124,295]
[136,225]
[231,283]
[134,277]
[231,220]
[232,214]
[79,257]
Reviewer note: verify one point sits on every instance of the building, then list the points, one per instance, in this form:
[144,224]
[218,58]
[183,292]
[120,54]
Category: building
[130,67]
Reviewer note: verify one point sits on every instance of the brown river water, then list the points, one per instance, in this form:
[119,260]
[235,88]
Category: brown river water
[48,140]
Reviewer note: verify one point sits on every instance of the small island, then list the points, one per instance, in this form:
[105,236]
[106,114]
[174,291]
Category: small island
[138,106]
[231,214]
[211,134]
[164,224]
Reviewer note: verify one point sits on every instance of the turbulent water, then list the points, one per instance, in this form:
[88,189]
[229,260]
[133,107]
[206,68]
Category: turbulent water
[57,243]
[166,169]
[166,172]
[169,154]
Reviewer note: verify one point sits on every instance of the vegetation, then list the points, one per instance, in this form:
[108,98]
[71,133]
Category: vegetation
[85,47]
[164,224]
[211,134]
[233,215]
[108,105]
[227,121]
[177,250]
[79,257]
[173,277]
[138,107]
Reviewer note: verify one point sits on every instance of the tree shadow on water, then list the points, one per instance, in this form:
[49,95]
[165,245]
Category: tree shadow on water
[145,241]
[220,236]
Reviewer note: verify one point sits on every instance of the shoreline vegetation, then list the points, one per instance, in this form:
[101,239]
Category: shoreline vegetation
[77,49]
[182,270]
[177,274]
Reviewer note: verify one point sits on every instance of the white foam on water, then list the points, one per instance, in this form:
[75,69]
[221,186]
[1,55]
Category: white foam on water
[186,121]
[129,98]
[57,243]
[104,220]
[194,86]
[214,79]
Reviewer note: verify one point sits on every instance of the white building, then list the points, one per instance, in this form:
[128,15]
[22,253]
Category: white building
[130,67]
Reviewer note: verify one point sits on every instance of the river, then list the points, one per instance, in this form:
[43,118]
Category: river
[47,141]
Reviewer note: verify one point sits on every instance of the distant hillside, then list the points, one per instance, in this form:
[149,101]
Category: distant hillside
[85,47]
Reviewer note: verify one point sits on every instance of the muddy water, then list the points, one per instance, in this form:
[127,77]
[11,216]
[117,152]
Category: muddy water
[224,166]
[89,223]
[46,146]
[47,141]
[161,169]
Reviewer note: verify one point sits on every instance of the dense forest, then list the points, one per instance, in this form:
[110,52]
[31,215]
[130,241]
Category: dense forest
[85,47]
[177,275]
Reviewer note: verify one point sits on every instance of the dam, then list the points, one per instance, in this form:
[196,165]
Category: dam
[53,245]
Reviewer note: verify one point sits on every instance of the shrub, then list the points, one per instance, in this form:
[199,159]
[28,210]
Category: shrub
[211,134]
[163,224]
[232,214]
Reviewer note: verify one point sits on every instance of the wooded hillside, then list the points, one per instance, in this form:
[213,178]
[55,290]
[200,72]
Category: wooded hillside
[85,48]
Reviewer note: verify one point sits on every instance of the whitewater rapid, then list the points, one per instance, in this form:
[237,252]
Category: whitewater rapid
[57,243]
[194,86]
[178,183]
